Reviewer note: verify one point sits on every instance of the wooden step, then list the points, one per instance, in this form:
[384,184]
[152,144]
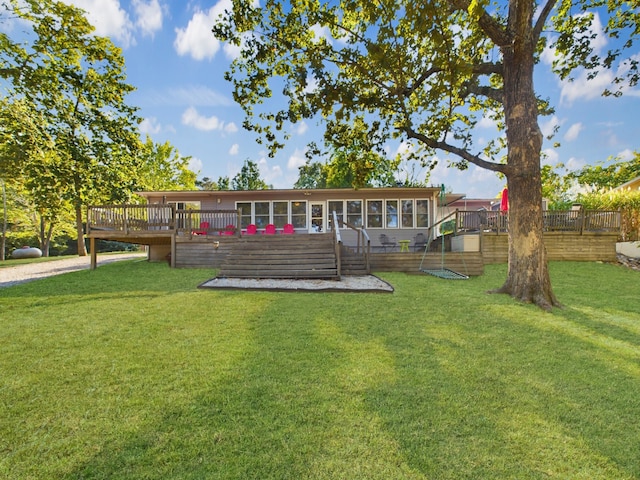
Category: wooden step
[281,256]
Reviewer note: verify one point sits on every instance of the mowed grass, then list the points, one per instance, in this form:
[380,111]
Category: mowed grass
[131,372]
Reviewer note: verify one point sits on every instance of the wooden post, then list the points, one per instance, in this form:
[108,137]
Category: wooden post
[173,251]
[94,253]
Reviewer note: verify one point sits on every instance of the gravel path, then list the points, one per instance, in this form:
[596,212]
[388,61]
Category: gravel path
[33,271]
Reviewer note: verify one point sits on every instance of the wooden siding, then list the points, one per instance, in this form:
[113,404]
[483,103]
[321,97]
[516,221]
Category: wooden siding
[588,247]
[468,263]
[203,252]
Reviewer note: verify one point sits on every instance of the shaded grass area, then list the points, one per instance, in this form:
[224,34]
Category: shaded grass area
[129,371]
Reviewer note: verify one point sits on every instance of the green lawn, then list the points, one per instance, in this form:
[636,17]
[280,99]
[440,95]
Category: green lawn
[130,372]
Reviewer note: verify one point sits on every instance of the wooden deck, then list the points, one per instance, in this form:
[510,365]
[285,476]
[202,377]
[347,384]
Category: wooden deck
[575,235]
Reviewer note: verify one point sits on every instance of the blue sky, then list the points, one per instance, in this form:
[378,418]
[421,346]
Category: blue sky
[177,67]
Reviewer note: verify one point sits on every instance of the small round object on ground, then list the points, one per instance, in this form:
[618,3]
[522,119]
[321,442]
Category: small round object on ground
[26,252]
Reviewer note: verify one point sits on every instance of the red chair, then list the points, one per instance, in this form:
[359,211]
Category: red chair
[204,226]
[229,230]
[288,229]
[251,229]
[270,229]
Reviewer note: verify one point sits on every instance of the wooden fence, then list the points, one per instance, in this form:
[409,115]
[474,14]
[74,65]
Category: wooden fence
[577,221]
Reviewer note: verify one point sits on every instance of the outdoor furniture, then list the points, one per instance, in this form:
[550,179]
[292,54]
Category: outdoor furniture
[419,242]
[387,243]
[270,229]
[404,245]
[204,226]
[229,230]
[251,229]
[288,229]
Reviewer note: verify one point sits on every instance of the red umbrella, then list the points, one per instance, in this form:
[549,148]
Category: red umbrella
[504,201]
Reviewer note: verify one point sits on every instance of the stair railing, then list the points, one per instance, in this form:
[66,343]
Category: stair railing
[337,243]
[363,242]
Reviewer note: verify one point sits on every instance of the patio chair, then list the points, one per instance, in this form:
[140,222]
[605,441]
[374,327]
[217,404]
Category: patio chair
[288,229]
[419,242]
[229,230]
[270,229]
[202,230]
[251,229]
[387,243]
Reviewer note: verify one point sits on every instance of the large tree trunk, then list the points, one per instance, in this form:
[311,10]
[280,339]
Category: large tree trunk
[82,248]
[528,275]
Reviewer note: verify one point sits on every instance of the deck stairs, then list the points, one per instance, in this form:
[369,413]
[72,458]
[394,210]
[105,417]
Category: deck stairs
[281,256]
[352,263]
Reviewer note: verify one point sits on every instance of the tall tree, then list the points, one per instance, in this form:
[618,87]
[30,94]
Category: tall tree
[425,72]
[207,183]
[75,82]
[162,168]
[349,167]
[248,178]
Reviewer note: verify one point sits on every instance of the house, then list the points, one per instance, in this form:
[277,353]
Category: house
[633,184]
[385,228]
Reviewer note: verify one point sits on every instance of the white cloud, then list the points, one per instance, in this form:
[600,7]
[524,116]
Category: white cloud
[320,32]
[574,164]
[549,126]
[625,155]
[150,126]
[192,118]
[230,127]
[301,128]
[297,159]
[404,149]
[149,16]
[269,173]
[195,164]
[549,156]
[573,132]
[109,19]
[196,39]
[584,88]
[487,123]
[235,149]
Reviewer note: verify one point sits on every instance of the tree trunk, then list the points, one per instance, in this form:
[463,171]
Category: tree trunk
[528,274]
[82,248]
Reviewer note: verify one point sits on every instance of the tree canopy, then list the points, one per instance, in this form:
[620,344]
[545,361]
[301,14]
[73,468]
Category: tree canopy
[248,178]
[71,84]
[427,73]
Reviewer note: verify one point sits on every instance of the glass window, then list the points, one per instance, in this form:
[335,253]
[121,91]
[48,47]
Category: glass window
[280,214]
[407,213]
[335,206]
[354,213]
[374,214]
[261,214]
[245,213]
[422,213]
[299,214]
[392,214]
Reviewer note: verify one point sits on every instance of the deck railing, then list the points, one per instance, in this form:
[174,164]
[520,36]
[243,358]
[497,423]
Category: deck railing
[131,218]
[577,221]
[208,222]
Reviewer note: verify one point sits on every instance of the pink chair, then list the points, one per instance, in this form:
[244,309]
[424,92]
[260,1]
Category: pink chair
[251,229]
[288,229]
[229,230]
[270,229]
[204,226]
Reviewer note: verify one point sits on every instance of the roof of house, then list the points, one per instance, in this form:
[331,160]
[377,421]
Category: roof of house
[289,193]
[633,184]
